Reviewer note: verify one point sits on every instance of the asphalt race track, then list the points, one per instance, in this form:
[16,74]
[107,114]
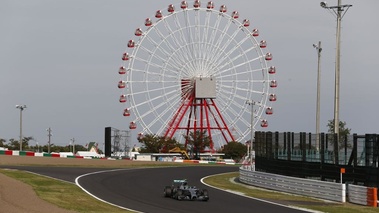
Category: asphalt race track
[142,189]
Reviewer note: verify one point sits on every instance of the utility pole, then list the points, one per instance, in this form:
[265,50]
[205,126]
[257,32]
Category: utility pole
[73,145]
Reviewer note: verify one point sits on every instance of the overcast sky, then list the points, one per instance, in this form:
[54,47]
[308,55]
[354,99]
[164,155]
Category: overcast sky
[60,58]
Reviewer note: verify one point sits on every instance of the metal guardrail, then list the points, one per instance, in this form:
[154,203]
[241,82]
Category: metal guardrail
[307,187]
[362,195]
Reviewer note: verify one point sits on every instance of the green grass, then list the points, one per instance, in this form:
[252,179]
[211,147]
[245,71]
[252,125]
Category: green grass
[69,196]
[224,182]
[63,194]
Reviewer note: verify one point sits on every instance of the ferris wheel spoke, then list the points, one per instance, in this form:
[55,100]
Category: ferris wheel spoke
[148,113]
[219,41]
[239,65]
[204,41]
[153,91]
[187,51]
[151,53]
[168,43]
[158,118]
[229,96]
[221,60]
[228,43]
[198,39]
[180,56]
[244,53]
[211,47]
[189,34]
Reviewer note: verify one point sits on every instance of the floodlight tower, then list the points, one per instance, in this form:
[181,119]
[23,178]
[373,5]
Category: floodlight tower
[339,11]
[319,49]
[21,107]
[251,103]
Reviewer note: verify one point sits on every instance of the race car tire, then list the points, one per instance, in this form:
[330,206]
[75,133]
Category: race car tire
[205,195]
[167,191]
[179,194]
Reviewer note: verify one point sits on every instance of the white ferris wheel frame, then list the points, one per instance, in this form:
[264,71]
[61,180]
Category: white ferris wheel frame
[211,45]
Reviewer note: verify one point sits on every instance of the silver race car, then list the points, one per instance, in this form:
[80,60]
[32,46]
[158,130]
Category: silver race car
[180,190]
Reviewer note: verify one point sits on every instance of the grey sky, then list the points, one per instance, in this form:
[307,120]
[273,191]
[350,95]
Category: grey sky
[60,58]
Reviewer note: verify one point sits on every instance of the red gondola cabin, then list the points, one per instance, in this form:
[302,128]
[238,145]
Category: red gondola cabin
[210,5]
[272,97]
[132,125]
[131,44]
[122,98]
[255,33]
[223,9]
[263,44]
[140,136]
[121,84]
[269,111]
[138,32]
[246,23]
[235,14]
[122,70]
[171,8]
[184,5]
[272,70]
[273,84]
[148,22]
[125,56]
[268,57]
[158,14]
[264,123]
[196,4]
[126,112]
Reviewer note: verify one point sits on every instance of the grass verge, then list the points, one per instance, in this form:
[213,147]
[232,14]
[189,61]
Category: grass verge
[63,194]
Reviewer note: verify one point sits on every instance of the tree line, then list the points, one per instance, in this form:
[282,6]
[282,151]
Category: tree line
[13,144]
[197,142]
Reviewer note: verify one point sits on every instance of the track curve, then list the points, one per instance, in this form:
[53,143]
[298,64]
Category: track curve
[142,189]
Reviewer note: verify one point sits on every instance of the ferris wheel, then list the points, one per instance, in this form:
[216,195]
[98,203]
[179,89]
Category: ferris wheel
[194,68]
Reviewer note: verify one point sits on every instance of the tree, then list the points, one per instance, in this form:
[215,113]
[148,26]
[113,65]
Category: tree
[343,133]
[2,142]
[169,143]
[198,142]
[156,144]
[234,150]
[15,144]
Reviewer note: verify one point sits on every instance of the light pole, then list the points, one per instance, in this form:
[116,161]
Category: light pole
[21,107]
[251,103]
[49,137]
[319,49]
[338,11]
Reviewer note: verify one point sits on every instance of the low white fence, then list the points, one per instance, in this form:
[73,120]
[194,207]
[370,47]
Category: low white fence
[307,187]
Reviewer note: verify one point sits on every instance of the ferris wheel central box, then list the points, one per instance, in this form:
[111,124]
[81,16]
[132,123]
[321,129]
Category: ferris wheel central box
[205,87]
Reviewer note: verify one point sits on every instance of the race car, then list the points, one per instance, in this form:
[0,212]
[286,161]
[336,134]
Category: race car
[180,190]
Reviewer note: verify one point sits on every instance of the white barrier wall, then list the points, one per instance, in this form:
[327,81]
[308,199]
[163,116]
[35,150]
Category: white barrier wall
[362,195]
[301,186]
[357,194]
